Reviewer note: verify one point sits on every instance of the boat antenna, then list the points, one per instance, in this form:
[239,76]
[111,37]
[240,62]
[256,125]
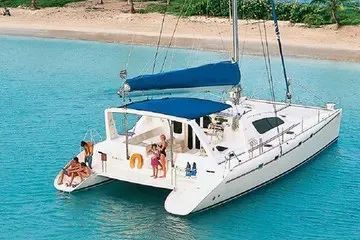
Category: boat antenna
[277,32]
[235,33]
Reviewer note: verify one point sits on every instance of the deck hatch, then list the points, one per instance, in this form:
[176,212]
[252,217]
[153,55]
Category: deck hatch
[266,124]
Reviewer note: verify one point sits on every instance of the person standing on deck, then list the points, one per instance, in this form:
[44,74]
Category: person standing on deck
[74,164]
[162,148]
[88,148]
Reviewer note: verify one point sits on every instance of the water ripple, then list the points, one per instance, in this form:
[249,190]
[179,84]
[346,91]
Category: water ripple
[49,100]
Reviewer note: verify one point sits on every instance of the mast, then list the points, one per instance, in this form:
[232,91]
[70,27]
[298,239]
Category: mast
[235,31]
[277,32]
[235,93]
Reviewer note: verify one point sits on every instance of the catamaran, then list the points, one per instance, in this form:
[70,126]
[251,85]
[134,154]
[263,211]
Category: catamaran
[217,151]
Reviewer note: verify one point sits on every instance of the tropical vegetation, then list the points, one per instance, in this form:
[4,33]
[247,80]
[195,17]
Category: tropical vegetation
[35,3]
[315,13]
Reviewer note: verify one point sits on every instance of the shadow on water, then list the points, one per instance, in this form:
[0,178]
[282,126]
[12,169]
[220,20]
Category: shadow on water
[127,210]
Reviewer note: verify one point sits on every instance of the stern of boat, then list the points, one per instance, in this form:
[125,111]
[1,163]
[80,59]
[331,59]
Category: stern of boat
[92,181]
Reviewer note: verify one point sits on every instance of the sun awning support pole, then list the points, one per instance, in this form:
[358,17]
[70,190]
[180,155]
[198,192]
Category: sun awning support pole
[173,171]
[171,125]
[126,136]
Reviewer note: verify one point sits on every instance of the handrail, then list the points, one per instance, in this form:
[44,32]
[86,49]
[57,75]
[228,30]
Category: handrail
[279,145]
[261,144]
[273,138]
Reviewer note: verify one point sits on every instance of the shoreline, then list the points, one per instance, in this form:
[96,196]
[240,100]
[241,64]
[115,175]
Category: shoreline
[193,33]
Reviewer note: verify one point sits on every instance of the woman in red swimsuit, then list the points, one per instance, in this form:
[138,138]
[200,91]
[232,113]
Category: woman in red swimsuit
[162,149]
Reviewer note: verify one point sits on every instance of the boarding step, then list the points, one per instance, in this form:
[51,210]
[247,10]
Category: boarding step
[91,181]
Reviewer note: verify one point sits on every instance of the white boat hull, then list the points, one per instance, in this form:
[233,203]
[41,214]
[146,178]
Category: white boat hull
[238,182]
[220,177]
[92,181]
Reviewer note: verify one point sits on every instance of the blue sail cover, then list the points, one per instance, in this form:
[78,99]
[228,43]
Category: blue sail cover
[189,108]
[216,74]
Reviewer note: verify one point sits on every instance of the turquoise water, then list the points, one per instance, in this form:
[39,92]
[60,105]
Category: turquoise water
[52,92]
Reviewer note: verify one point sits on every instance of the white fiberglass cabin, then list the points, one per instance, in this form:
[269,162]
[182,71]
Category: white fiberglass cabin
[216,151]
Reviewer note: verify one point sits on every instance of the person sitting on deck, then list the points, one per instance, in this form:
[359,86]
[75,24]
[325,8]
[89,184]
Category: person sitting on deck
[88,147]
[162,148]
[85,172]
[82,171]
[74,164]
[155,157]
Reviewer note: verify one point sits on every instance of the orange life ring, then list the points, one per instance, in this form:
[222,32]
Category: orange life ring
[139,158]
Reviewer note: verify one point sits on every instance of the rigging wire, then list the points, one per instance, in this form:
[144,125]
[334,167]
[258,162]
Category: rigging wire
[313,93]
[159,40]
[173,34]
[130,52]
[271,82]
[220,35]
[242,51]
[277,32]
[267,62]
[219,31]
[195,56]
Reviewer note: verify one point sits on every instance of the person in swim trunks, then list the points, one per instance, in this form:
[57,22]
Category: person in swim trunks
[82,171]
[88,148]
[162,145]
[74,164]
[85,171]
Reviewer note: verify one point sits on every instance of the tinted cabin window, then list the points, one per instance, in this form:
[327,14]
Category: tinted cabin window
[190,137]
[206,121]
[177,127]
[266,124]
[197,142]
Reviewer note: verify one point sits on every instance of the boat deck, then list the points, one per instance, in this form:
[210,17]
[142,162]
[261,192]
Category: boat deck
[121,170]
[63,187]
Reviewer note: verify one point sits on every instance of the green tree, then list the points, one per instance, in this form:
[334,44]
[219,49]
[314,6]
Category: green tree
[333,6]
[131,3]
[33,4]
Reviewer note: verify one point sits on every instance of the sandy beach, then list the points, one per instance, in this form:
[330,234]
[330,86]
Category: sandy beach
[108,22]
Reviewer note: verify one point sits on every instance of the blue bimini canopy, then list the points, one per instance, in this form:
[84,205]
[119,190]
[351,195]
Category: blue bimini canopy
[189,108]
[216,74]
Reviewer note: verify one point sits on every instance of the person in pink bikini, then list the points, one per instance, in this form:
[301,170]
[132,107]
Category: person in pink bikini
[155,157]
